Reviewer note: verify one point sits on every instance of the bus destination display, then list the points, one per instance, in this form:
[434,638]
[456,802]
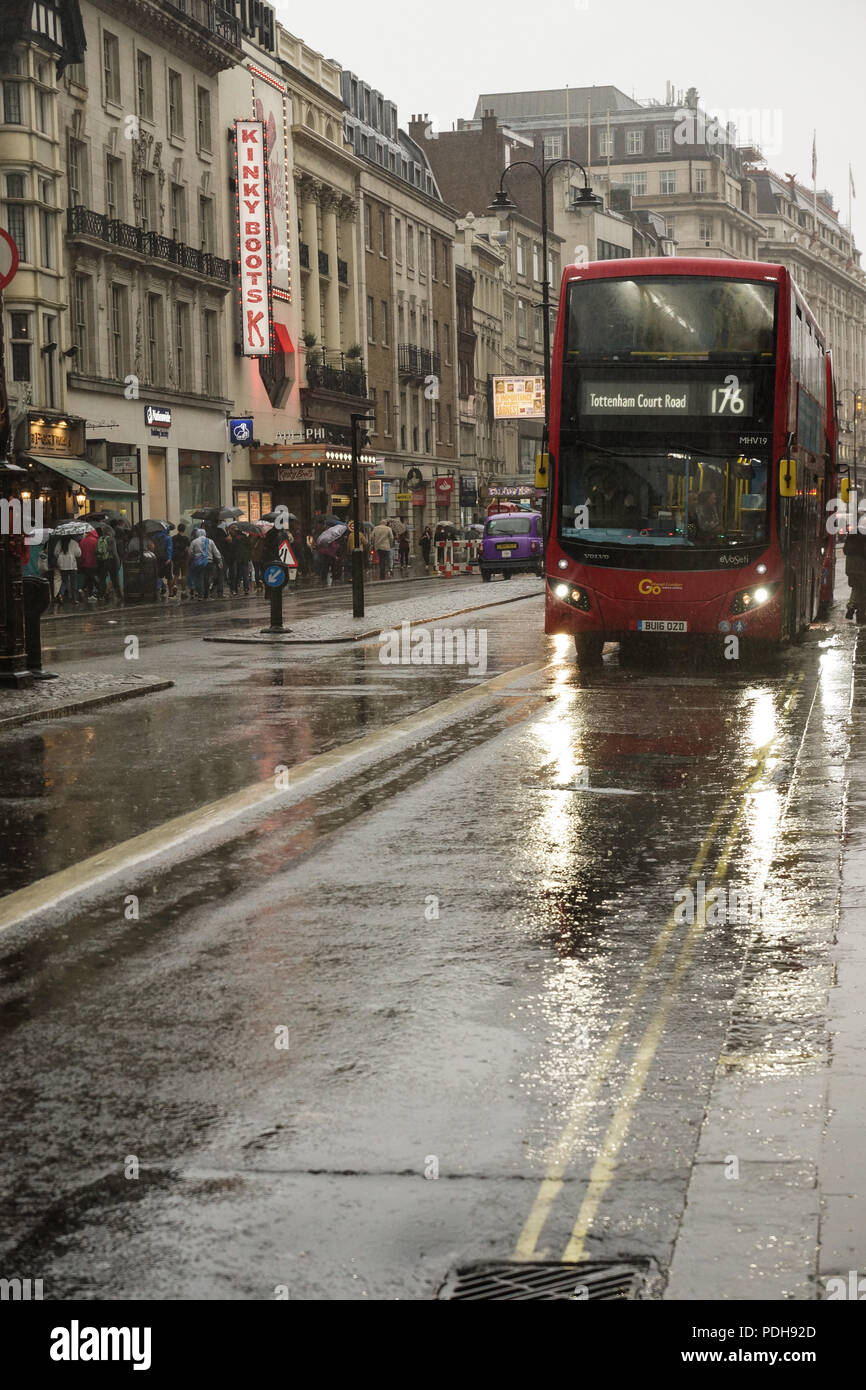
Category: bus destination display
[728,397]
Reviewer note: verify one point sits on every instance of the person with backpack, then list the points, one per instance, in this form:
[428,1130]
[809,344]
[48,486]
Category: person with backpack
[204,561]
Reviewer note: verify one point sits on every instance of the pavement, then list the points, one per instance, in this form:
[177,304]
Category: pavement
[777,1189]
[458,595]
[71,694]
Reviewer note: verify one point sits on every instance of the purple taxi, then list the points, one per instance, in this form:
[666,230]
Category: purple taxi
[512,542]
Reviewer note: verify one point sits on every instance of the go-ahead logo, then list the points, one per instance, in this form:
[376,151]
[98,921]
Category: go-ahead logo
[655,587]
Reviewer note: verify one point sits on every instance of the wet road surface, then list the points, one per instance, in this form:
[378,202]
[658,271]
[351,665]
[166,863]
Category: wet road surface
[439,1010]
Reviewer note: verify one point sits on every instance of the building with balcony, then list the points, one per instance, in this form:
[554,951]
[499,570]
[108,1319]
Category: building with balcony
[39,46]
[671,157]
[502,250]
[330,366]
[409,315]
[147,258]
[802,231]
[266,390]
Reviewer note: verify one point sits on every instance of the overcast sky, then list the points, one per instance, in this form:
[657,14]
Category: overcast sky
[796,64]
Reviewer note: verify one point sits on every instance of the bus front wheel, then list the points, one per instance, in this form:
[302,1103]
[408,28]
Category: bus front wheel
[588,647]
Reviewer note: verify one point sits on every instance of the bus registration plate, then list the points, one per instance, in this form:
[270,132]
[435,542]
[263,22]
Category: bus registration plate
[662,625]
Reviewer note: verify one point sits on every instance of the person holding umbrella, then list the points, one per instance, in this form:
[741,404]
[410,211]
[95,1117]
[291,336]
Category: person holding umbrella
[68,554]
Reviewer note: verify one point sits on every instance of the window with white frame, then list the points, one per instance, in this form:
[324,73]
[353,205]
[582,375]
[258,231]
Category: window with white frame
[634,142]
[119,330]
[553,147]
[203,122]
[606,142]
[210,353]
[82,321]
[668,181]
[144,86]
[175,103]
[700,180]
[663,139]
[705,229]
[114,199]
[181,345]
[111,67]
[635,183]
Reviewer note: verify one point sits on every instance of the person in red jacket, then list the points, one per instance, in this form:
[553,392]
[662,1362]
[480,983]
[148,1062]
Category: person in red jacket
[87,566]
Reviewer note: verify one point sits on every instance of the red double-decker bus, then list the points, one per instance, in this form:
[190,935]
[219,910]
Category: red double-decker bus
[692,447]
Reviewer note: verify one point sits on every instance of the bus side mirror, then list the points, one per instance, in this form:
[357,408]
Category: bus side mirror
[787,477]
[845,489]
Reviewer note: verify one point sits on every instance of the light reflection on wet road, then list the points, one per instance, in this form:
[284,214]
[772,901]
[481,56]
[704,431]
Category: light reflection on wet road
[452,941]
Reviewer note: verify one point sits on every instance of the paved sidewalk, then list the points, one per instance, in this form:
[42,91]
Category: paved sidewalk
[71,694]
[778,1190]
[450,599]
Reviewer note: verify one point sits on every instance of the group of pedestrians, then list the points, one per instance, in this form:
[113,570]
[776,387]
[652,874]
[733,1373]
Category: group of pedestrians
[84,568]
[392,543]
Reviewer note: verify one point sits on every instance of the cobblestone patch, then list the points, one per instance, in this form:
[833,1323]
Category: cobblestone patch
[71,694]
[446,602]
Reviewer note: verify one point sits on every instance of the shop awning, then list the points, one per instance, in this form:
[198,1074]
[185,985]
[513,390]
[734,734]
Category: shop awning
[85,475]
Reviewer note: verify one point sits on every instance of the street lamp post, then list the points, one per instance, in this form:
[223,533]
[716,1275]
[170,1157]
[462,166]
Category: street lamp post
[857,396]
[502,203]
[357,549]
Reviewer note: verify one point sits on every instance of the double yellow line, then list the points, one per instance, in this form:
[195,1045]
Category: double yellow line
[605,1164]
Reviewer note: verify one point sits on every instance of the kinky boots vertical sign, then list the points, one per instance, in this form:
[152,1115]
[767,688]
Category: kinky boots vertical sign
[254,238]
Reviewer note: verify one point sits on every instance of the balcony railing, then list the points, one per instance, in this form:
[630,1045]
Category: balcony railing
[305,254]
[81,221]
[342,272]
[413,361]
[335,373]
[323,263]
[211,17]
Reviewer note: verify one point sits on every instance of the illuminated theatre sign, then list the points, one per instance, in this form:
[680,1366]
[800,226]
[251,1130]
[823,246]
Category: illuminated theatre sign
[254,240]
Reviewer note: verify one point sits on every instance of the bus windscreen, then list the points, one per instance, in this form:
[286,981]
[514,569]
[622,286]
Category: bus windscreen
[704,318]
[662,497]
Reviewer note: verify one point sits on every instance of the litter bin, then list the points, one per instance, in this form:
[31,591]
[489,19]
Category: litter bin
[37,596]
[140,581]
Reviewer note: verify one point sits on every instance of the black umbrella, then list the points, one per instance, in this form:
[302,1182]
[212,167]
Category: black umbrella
[151,525]
[250,528]
[206,513]
[226,512]
[107,515]
[331,521]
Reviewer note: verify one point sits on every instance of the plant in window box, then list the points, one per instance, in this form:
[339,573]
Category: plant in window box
[314,353]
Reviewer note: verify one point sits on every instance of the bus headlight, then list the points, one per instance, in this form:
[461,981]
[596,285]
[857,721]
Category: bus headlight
[574,596]
[748,599]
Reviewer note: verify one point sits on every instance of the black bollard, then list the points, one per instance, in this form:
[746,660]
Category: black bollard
[37,596]
[276,598]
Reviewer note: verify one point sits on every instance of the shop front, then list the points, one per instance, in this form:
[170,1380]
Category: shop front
[306,478]
[51,448]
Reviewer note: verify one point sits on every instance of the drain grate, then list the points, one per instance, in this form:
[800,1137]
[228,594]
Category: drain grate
[590,1280]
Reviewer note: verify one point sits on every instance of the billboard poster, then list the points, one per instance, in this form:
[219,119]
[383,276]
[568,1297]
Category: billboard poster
[254,240]
[518,397]
[269,107]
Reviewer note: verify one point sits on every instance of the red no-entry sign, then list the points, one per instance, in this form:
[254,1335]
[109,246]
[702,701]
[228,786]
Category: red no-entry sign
[8,258]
